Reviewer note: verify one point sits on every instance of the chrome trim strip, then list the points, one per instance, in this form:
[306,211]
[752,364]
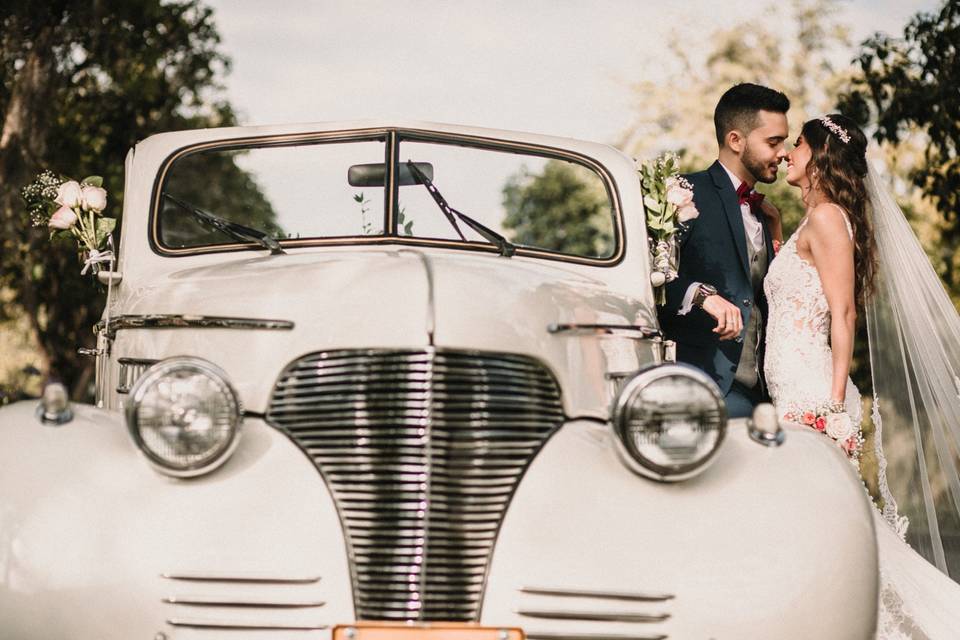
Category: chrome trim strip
[201,623]
[213,576]
[545,635]
[178,321]
[608,595]
[431,294]
[221,601]
[626,330]
[593,616]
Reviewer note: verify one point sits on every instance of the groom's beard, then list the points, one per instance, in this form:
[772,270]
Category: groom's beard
[762,171]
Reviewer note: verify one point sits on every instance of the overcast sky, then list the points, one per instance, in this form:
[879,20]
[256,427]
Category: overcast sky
[551,66]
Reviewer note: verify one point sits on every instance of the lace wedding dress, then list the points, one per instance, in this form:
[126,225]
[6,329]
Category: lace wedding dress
[916,600]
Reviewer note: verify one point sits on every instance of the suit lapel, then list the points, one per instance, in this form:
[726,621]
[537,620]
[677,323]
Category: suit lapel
[728,196]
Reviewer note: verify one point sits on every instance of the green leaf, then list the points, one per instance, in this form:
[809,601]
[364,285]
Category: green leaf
[105,227]
[93,181]
[358,197]
[408,228]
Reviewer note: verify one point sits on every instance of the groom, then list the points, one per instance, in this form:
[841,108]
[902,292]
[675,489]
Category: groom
[715,308]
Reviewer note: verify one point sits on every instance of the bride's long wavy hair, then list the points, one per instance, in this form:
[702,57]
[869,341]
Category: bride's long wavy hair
[838,170]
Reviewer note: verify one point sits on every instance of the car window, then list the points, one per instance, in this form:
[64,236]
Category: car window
[339,189]
[533,200]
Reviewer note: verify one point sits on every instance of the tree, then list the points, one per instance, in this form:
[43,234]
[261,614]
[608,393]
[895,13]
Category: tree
[80,83]
[907,86]
[560,209]
[677,114]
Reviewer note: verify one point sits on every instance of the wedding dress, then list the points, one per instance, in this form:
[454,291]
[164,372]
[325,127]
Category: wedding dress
[916,599]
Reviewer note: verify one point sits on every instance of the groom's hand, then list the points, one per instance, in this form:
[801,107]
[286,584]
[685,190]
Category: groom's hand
[728,317]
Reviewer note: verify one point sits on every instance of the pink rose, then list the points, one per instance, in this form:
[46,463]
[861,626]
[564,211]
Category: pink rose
[69,194]
[809,418]
[94,198]
[63,218]
[687,212]
[677,195]
[820,424]
[851,444]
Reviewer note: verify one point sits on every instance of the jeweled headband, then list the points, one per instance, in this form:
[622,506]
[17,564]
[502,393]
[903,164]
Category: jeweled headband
[836,129]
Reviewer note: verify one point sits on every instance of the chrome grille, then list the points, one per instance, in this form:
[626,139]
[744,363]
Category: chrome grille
[422,451]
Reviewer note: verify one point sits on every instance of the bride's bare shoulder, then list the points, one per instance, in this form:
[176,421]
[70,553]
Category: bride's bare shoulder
[827,220]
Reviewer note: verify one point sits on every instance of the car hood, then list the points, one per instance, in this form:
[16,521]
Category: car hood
[394,298]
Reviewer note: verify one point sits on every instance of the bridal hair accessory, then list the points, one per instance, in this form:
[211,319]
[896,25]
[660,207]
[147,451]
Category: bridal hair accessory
[836,129]
[668,203]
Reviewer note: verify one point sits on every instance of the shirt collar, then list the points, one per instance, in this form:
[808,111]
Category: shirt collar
[733,177]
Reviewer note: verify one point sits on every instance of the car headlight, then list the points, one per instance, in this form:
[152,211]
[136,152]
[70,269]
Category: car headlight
[669,421]
[184,416]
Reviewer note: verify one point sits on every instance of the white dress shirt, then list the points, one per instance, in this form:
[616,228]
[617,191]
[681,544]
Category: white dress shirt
[754,233]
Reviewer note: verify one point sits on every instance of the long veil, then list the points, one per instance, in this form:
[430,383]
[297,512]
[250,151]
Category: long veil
[914,338]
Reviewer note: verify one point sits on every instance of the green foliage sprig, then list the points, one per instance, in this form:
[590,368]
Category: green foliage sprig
[668,203]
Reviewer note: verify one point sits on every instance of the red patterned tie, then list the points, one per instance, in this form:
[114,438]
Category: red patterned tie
[746,194]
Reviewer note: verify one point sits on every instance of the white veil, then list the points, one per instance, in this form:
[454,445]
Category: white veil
[914,338]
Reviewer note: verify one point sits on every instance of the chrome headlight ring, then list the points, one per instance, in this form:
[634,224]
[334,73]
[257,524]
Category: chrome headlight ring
[185,416]
[669,422]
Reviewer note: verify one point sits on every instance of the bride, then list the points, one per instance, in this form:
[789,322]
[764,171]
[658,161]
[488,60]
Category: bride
[854,250]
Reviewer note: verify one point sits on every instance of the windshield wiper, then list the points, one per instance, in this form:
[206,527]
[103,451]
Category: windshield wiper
[505,246]
[232,229]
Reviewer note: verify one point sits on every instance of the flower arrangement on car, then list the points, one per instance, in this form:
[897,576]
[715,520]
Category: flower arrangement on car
[73,209]
[668,203]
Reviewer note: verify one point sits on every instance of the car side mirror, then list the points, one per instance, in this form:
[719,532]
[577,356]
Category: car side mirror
[374,175]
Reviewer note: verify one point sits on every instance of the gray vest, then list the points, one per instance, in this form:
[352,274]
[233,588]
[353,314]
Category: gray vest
[747,369]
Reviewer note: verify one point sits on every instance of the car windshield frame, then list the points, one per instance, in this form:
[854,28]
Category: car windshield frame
[392,137]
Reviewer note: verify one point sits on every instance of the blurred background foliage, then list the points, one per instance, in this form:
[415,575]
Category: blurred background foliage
[82,82]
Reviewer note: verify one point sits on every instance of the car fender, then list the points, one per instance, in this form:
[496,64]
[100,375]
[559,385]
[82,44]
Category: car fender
[90,532]
[761,539]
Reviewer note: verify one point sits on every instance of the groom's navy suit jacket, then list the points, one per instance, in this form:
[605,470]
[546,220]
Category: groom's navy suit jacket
[713,251]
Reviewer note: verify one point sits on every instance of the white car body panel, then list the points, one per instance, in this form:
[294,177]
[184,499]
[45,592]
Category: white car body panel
[766,542]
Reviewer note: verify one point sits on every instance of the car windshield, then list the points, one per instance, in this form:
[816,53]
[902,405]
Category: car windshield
[341,190]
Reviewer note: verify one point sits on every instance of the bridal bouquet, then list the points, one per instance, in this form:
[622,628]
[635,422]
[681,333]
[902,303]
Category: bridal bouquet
[71,208]
[668,203]
[836,425]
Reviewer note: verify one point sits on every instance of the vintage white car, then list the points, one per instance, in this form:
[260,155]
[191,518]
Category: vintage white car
[405,380]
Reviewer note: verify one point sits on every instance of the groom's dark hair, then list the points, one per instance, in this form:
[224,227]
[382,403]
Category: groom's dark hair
[738,108]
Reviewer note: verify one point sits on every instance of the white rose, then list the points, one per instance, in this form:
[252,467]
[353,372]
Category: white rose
[658,278]
[63,218]
[94,198]
[687,212]
[839,426]
[678,196]
[69,194]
